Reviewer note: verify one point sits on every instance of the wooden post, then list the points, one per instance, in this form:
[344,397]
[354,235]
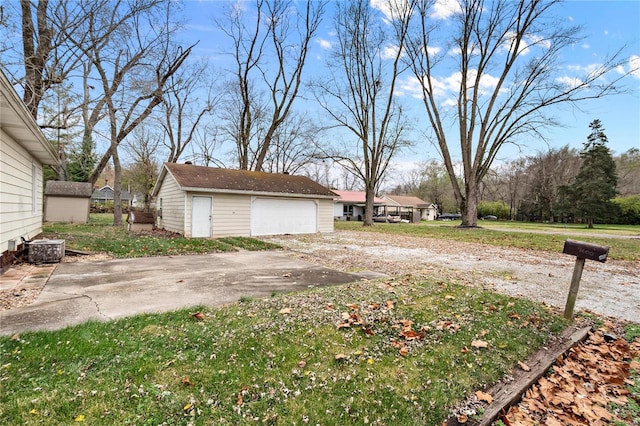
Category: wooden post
[582,251]
[573,289]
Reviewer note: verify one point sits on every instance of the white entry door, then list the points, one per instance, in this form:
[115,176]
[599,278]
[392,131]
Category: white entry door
[201,217]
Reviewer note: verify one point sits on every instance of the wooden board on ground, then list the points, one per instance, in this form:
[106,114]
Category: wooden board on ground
[506,394]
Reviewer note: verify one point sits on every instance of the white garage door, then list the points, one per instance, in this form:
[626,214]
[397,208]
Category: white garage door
[272,216]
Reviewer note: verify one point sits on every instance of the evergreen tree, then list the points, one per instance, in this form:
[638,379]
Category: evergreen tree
[81,161]
[595,184]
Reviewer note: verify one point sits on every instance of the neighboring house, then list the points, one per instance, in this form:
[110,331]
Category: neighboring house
[67,201]
[207,202]
[350,205]
[105,194]
[408,208]
[23,152]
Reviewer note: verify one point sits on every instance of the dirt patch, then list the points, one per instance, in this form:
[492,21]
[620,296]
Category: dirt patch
[611,289]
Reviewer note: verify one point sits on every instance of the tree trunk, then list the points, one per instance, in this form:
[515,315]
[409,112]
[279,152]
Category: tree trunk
[469,206]
[367,220]
[117,189]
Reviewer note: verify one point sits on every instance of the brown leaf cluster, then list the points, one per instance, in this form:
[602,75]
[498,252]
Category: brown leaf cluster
[582,385]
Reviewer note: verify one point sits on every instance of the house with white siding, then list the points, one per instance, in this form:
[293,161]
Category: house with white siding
[210,202]
[350,205]
[23,152]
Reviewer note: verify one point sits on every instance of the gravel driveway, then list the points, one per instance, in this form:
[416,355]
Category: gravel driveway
[611,288]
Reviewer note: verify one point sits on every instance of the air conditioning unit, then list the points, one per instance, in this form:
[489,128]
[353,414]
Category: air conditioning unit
[46,251]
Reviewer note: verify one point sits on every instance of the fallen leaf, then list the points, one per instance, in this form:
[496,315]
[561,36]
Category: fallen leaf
[186,381]
[187,408]
[15,337]
[480,344]
[33,411]
[524,366]
[449,297]
[404,351]
[198,315]
[464,350]
[483,396]
[286,275]
[79,418]
[340,357]
[389,304]
[240,401]
[462,418]
[284,311]
[353,306]
[301,364]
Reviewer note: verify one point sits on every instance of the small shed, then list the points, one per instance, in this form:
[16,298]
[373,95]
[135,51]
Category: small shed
[67,201]
[140,221]
[198,201]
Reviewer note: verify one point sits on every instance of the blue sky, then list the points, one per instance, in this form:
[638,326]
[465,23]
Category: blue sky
[608,25]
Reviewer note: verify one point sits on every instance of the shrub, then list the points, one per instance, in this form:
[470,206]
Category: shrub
[497,208]
[629,209]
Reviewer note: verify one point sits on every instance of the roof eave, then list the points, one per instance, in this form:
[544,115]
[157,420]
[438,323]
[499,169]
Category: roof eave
[257,193]
[18,116]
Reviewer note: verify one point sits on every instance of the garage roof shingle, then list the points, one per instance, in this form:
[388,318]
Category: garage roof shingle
[212,178]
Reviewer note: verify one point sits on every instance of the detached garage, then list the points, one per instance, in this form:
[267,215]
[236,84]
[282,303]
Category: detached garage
[207,202]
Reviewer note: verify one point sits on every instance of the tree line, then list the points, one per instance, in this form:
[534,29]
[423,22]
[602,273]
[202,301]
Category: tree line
[558,185]
[117,72]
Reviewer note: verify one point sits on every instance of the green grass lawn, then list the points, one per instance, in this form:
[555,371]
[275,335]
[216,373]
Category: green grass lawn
[395,352]
[100,236]
[619,248]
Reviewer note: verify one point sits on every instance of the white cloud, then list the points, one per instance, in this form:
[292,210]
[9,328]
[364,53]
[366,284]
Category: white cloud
[325,44]
[443,9]
[389,52]
[586,46]
[390,8]
[606,32]
[509,44]
[634,65]
[570,82]
[446,86]
[382,6]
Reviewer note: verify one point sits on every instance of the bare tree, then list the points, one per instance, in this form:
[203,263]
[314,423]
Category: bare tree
[144,168]
[269,54]
[207,144]
[628,167]
[293,146]
[183,111]
[506,55]
[132,58]
[359,91]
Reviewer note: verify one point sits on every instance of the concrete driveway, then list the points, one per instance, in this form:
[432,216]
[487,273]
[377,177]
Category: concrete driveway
[105,290]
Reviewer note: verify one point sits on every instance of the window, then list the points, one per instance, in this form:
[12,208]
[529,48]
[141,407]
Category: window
[347,209]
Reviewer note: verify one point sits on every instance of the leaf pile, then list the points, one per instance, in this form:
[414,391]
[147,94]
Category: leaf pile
[584,388]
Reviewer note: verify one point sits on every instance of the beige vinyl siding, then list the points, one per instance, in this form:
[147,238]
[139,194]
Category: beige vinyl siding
[231,215]
[19,215]
[173,200]
[325,215]
[66,209]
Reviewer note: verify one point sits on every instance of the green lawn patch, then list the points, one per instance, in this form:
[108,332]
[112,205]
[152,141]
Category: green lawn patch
[100,236]
[385,352]
[620,248]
